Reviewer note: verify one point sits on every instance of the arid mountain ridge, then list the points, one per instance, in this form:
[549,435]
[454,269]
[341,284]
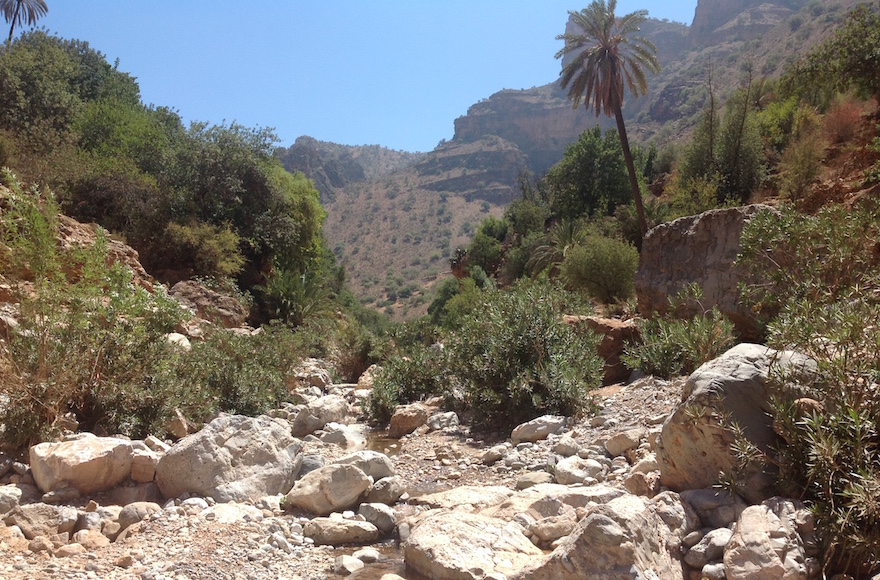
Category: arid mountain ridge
[395,217]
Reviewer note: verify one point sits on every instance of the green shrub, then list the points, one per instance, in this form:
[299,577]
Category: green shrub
[239,374]
[356,348]
[89,341]
[603,267]
[670,347]
[208,250]
[404,379]
[517,360]
[93,343]
[818,277]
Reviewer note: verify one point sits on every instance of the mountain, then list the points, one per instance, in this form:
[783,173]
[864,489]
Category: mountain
[394,218]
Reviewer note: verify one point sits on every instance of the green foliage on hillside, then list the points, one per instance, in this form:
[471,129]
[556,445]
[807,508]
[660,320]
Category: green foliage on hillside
[92,343]
[590,179]
[849,59]
[199,201]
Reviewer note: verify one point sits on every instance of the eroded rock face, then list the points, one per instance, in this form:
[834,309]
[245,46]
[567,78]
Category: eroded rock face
[88,464]
[629,537]
[697,249]
[460,545]
[766,544]
[233,458]
[210,305]
[695,446]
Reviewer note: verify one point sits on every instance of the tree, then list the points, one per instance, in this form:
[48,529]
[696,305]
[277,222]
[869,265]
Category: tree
[849,58]
[17,10]
[591,179]
[607,59]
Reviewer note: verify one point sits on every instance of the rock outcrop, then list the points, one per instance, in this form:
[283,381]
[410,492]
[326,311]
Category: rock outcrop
[468,546]
[694,447]
[87,464]
[697,249]
[209,304]
[629,537]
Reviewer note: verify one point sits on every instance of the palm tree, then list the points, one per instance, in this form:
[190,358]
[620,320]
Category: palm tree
[607,59]
[551,252]
[17,11]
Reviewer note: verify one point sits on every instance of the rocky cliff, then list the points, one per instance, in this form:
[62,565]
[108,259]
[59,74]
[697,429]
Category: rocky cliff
[719,20]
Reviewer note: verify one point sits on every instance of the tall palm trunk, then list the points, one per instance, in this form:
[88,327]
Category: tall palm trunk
[631,169]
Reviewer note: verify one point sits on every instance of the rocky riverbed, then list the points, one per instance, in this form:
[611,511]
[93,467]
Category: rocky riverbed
[312,492]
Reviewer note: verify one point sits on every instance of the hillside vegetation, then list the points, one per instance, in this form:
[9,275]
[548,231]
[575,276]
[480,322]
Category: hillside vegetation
[540,123]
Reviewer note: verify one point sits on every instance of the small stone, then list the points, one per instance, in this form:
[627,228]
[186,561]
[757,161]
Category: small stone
[70,550]
[347,565]
[124,561]
[367,555]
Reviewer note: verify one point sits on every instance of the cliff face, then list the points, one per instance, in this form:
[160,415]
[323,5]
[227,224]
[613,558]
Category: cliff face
[332,166]
[720,20]
[541,120]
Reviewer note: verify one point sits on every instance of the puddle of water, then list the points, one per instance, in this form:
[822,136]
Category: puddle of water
[378,441]
[391,562]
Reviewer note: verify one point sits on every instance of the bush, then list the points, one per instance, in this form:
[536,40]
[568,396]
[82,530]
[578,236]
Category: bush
[404,379]
[602,266]
[819,277]
[92,343]
[517,360]
[842,121]
[89,341]
[671,347]
[207,250]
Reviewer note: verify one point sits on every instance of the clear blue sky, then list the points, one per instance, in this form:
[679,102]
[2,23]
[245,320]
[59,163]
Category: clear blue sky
[390,72]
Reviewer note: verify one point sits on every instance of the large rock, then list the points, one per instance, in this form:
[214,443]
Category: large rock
[471,496]
[234,458]
[549,499]
[329,489]
[88,464]
[10,497]
[40,519]
[765,544]
[375,464]
[697,249]
[629,537]
[458,545]
[616,335]
[575,469]
[693,450]
[209,304]
[334,532]
[316,414]
[537,429]
[406,419]
[716,508]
